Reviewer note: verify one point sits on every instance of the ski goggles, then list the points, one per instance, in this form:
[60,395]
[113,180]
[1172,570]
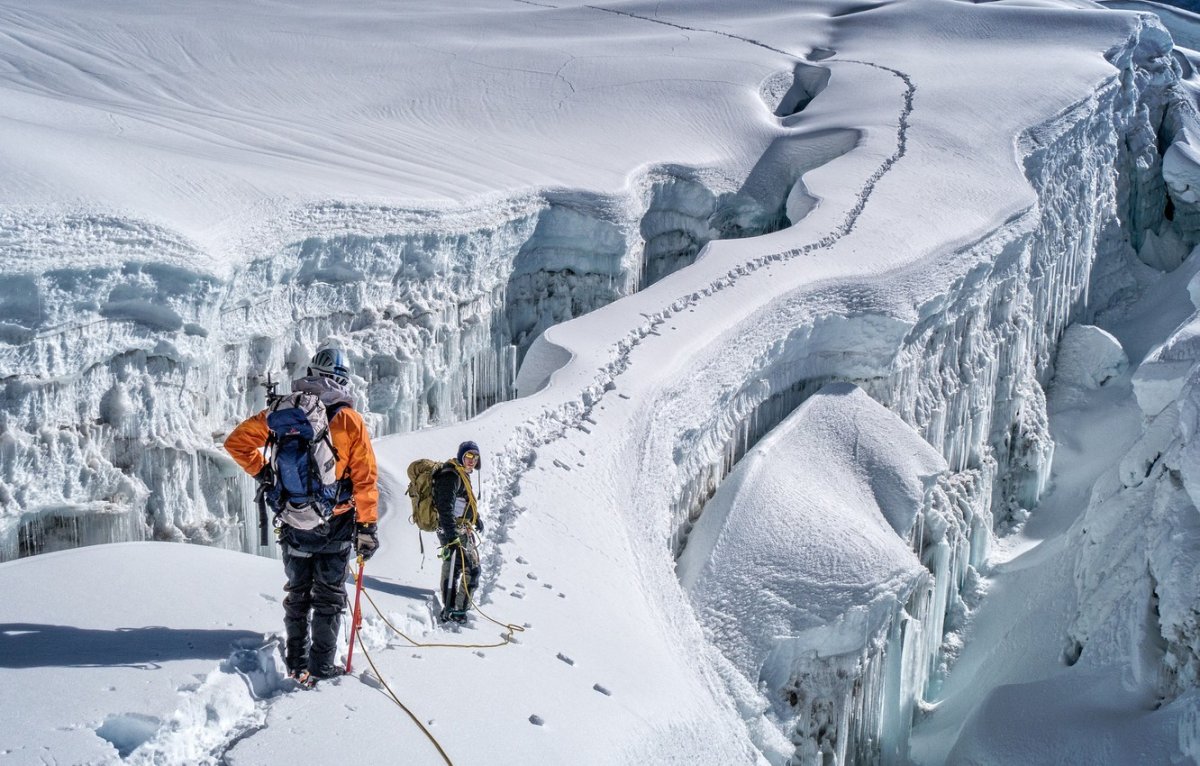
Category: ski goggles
[471,456]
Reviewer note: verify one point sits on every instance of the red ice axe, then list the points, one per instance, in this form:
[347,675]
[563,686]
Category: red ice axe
[356,618]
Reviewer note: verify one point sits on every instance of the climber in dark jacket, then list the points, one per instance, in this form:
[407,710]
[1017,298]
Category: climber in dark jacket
[458,523]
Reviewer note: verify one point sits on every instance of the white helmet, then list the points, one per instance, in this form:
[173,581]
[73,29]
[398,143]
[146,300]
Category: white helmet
[331,363]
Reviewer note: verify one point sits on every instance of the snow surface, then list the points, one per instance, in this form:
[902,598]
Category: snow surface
[802,559]
[216,121]
[194,197]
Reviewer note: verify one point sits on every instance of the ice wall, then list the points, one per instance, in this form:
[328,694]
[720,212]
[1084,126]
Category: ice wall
[122,411]
[685,215]
[1138,543]
[127,353]
[968,373]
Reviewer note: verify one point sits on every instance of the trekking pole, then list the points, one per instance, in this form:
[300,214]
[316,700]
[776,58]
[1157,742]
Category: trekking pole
[260,496]
[356,618]
[452,582]
[260,499]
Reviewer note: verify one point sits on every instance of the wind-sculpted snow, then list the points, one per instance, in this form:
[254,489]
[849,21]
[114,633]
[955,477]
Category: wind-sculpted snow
[805,574]
[791,94]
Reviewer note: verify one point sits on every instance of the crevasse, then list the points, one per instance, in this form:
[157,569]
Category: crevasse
[968,374]
[121,378]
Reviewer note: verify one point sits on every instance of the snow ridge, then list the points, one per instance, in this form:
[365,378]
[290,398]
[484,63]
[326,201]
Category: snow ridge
[519,454]
[968,371]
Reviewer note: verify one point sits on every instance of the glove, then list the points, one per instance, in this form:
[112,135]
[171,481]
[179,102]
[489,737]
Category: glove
[479,525]
[447,536]
[266,476]
[366,540]
[449,540]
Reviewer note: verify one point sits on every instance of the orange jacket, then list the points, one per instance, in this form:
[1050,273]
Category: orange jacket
[350,441]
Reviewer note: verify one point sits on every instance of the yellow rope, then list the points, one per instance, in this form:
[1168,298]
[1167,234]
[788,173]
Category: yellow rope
[509,628]
[387,690]
[472,503]
[392,695]
[507,638]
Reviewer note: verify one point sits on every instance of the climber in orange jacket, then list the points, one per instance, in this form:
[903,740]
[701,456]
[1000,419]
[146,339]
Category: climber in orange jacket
[316,546]
[355,456]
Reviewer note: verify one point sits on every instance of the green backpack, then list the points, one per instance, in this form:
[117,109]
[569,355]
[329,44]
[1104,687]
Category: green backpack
[420,490]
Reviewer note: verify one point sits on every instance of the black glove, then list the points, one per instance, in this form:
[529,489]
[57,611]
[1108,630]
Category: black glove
[366,540]
[266,476]
[479,525]
[447,536]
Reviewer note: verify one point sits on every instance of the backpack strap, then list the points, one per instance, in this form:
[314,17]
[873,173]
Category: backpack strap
[344,487]
[330,412]
[471,503]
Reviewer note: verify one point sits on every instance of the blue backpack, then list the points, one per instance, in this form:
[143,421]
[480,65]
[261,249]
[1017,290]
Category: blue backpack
[301,453]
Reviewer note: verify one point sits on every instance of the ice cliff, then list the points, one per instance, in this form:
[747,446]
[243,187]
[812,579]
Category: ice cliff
[121,376]
[1139,541]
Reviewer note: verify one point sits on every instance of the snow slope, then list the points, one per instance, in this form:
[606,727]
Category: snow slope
[947,223]
[214,121]
[108,644]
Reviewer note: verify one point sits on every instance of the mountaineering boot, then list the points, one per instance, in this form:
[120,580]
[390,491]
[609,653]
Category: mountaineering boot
[324,641]
[452,615]
[306,679]
[325,672]
[296,664]
[296,645]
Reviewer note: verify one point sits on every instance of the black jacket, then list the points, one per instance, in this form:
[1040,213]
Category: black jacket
[447,487]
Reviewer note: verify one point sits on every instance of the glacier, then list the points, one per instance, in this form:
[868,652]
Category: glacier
[629,357]
[969,373]
[139,314]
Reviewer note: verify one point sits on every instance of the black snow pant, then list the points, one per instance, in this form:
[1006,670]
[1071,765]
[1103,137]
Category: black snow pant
[315,584]
[464,556]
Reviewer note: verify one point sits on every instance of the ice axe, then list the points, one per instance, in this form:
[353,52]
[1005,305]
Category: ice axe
[356,617]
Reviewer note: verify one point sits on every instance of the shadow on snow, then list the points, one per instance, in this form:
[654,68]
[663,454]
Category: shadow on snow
[30,645]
